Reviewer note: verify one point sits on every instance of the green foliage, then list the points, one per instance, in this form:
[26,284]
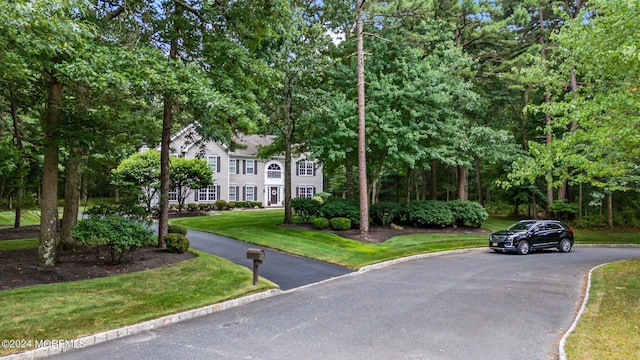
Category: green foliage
[204,206]
[128,210]
[323,195]
[176,229]
[220,204]
[430,213]
[139,174]
[305,208]
[465,211]
[187,175]
[564,210]
[231,205]
[341,208]
[340,224]
[192,207]
[385,213]
[320,223]
[176,243]
[112,236]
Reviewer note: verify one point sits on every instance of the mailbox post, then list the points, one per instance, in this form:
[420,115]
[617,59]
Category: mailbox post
[257,255]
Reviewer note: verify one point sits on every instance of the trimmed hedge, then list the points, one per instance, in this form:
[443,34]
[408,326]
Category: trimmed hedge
[341,208]
[320,223]
[465,211]
[220,204]
[177,229]
[176,243]
[430,213]
[340,224]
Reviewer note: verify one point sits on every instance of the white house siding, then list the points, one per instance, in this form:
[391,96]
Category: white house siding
[233,176]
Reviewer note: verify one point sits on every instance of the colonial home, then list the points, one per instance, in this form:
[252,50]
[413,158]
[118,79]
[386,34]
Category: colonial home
[239,175]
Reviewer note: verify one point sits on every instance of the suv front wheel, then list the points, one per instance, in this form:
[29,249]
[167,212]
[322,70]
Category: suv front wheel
[523,247]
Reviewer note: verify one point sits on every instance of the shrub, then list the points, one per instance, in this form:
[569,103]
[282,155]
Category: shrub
[340,223]
[113,236]
[323,195]
[385,213]
[177,229]
[241,204]
[130,211]
[320,223]
[231,205]
[341,208]
[430,213]
[305,208]
[255,204]
[192,207]
[465,211]
[176,243]
[204,207]
[220,204]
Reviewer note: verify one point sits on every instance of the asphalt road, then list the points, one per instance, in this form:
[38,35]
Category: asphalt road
[288,271]
[478,305]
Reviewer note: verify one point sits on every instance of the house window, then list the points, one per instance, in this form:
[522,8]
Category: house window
[250,167]
[305,168]
[305,191]
[274,172]
[173,195]
[249,193]
[233,166]
[233,192]
[210,193]
[214,162]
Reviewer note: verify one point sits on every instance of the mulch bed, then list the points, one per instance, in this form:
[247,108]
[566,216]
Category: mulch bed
[19,268]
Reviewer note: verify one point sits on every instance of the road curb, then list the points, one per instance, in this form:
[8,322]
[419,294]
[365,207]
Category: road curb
[59,346]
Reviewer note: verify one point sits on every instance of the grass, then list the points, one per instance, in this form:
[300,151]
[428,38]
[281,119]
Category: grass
[609,326]
[27,217]
[262,228]
[73,309]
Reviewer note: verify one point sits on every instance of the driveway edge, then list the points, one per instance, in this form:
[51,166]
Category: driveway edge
[54,347]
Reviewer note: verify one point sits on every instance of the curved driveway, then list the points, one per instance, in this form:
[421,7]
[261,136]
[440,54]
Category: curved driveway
[476,305]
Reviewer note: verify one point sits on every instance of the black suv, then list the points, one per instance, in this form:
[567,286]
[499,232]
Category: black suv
[527,235]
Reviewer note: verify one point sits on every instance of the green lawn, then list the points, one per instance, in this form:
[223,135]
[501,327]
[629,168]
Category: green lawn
[262,227]
[27,217]
[608,328]
[73,309]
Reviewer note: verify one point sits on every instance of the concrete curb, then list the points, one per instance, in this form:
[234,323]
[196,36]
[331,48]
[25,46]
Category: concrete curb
[53,347]
[561,352]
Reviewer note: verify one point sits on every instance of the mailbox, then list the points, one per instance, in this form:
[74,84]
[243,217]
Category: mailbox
[255,254]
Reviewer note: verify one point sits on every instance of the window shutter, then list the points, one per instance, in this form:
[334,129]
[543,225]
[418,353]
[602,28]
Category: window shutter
[195,197]
[297,191]
[244,166]
[218,192]
[314,190]
[298,169]
[244,193]
[237,193]
[255,193]
[314,170]
[237,166]
[218,167]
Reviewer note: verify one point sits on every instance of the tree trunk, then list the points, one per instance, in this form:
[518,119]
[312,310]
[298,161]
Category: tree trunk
[167,121]
[547,100]
[71,194]
[610,210]
[49,204]
[362,156]
[462,183]
[20,165]
[433,182]
[479,183]
[348,171]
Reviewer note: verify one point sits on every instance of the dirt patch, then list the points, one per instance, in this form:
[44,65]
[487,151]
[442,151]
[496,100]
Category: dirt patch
[379,234]
[18,268]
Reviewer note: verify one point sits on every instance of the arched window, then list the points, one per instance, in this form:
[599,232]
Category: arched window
[274,171]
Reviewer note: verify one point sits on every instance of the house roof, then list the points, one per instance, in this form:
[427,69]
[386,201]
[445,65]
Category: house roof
[249,144]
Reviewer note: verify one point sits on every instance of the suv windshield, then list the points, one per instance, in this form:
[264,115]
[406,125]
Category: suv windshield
[521,226]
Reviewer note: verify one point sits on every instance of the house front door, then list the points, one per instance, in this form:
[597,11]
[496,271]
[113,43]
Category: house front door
[273,195]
